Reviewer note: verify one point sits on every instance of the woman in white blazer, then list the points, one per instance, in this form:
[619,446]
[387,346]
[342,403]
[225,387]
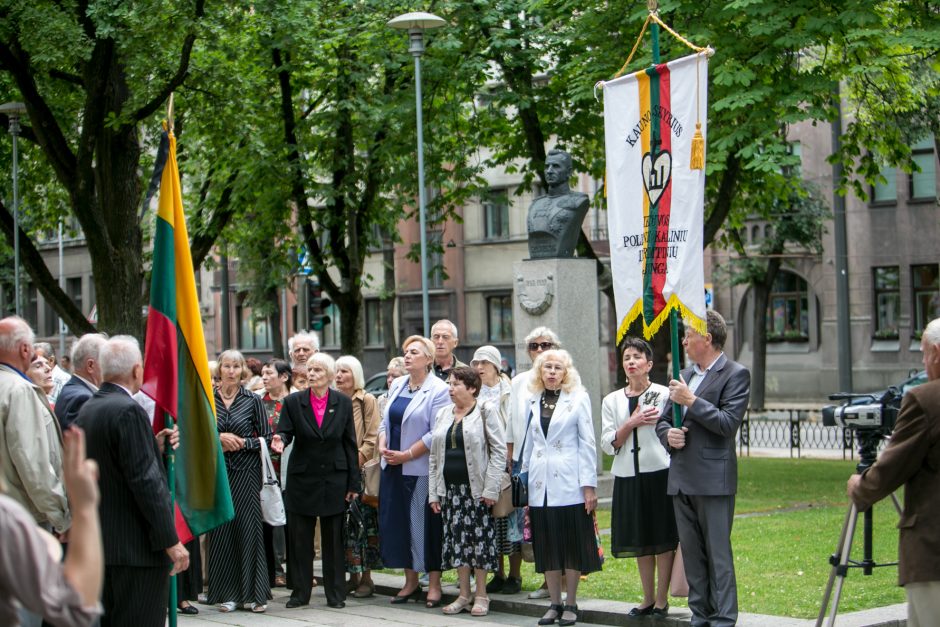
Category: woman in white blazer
[643,523]
[411,532]
[561,461]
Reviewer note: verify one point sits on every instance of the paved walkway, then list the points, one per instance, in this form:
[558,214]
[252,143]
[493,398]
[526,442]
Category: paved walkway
[504,610]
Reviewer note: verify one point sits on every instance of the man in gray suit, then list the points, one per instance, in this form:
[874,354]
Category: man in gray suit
[703,472]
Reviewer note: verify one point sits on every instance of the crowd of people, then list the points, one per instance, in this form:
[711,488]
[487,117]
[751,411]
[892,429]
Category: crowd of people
[450,439]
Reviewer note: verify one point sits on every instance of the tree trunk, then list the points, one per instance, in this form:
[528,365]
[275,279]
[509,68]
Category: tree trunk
[761,290]
[350,314]
[274,323]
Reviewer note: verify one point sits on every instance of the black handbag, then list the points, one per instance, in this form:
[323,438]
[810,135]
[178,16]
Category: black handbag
[520,489]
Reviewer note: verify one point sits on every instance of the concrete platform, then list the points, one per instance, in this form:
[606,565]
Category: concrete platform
[504,610]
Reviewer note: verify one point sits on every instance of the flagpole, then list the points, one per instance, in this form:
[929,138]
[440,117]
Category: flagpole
[171,480]
[673,317]
[170,455]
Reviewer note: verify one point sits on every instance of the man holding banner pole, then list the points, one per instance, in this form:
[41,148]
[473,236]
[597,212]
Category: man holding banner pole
[703,470]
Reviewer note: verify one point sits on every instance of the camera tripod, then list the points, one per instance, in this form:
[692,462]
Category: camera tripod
[867,452]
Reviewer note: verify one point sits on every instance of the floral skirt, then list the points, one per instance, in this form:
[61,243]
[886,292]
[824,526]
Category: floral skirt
[362,540]
[469,531]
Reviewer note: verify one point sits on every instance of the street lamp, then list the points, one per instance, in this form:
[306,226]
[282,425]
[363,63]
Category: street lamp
[416,23]
[14,110]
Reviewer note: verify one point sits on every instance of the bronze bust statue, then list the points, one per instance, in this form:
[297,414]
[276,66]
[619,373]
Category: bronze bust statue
[554,221]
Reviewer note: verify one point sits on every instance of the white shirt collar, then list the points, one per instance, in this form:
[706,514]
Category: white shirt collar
[701,372]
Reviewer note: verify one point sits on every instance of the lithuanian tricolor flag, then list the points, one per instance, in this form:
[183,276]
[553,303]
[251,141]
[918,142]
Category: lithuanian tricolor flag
[655,200]
[176,367]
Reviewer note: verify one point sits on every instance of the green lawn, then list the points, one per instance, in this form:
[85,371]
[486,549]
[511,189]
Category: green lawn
[781,552]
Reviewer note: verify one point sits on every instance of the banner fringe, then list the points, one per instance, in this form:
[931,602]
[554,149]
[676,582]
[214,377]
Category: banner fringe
[652,329]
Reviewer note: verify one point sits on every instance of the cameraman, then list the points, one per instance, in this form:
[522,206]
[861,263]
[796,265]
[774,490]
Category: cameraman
[912,458]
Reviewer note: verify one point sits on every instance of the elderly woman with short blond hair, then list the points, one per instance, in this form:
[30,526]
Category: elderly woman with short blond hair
[238,573]
[412,534]
[560,457]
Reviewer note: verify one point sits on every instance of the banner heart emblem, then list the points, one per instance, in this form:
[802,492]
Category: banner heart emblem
[656,173]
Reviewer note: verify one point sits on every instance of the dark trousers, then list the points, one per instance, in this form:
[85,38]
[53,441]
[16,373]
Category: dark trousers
[135,596]
[704,524]
[301,554]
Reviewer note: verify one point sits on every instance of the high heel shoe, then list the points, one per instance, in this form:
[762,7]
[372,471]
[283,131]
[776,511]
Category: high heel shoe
[414,595]
[557,609]
[567,622]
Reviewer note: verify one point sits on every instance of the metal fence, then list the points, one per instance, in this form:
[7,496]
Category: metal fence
[795,429]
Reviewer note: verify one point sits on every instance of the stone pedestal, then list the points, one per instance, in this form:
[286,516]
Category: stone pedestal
[561,294]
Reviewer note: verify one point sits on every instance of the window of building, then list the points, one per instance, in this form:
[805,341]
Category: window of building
[887,301]
[788,308]
[254,332]
[31,305]
[924,182]
[926,288]
[496,214]
[885,188]
[795,149]
[375,324]
[330,335]
[73,287]
[499,318]
[50,323]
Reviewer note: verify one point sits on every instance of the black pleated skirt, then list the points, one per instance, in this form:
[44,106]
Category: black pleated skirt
[642,520]
[563,539]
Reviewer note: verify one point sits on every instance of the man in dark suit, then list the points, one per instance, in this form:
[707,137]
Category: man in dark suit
[141,548]
[322,477]
[912,459]
[703,471]
[86,377]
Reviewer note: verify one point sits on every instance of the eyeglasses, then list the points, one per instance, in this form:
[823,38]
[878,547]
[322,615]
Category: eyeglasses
[534,346]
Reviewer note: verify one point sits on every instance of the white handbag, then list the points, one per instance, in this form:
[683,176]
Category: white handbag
[272,503]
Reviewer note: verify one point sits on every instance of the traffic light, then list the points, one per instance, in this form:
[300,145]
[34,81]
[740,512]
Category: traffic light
[317,304]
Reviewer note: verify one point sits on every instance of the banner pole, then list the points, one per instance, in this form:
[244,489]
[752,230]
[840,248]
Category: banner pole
[171,484]
[673,317]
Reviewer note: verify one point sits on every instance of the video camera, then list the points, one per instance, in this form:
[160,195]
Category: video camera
[878,414]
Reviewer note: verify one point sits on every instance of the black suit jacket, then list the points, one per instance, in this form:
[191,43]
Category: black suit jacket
[324,463]
[70,400]
[707,464]
[137,519]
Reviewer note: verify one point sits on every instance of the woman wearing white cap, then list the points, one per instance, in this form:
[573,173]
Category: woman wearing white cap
[496,390]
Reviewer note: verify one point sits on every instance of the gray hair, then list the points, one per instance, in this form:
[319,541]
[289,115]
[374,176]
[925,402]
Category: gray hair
[328,363]
[543,332]
[932,332]
[304,336]
[13,332]
[45,347]
[353,365]
[118,356]
[87,347]
[398,364]
[237,356]
[715,324]
[453,327]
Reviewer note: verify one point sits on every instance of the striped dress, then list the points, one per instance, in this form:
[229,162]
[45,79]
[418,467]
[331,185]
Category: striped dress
[237,564]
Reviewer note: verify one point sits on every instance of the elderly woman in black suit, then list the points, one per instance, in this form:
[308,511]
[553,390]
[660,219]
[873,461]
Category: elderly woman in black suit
[323,476]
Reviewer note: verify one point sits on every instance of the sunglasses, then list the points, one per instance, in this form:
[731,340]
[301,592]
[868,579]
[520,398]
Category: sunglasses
[534,346]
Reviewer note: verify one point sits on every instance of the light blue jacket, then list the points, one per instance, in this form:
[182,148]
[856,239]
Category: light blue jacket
[418,420]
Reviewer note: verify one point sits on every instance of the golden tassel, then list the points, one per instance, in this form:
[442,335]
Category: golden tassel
[697,161]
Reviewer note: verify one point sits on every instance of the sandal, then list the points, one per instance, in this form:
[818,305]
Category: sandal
[258,608]
[228,606]
[568,609]
[481,606]
[556,610]
[458,606]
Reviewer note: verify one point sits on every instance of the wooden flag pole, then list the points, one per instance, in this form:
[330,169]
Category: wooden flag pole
[673,316]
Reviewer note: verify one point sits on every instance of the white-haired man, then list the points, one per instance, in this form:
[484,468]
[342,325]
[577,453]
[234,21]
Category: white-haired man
[141,548]
[30,439]
[445,338]
[86,377]
[302,347]
[912,459]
